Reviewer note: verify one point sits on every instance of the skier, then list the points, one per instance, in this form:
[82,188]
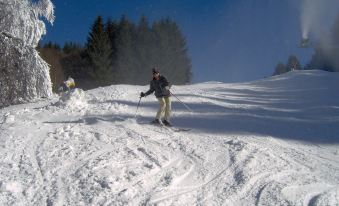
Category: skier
[160,86]
[67,85]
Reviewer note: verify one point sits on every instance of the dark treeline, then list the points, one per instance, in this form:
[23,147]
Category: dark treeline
[291,65]
[325,57]
[121,52]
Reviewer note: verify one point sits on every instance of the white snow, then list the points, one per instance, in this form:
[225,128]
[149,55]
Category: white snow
[269,142]
[12,187]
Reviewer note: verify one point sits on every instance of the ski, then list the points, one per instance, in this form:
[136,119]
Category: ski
[177,129]
[172,128]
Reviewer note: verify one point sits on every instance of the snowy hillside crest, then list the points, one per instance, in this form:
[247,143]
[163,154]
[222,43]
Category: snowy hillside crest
[24,75]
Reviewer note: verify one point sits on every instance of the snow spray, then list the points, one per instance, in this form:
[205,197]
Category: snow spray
[308,13]
[317,16]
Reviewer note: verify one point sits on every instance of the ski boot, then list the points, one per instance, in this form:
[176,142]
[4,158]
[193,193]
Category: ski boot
[167,123]
[156,122]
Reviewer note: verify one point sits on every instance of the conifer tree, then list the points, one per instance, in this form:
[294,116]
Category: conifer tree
[172,52]
[122,52]
[126,59]
[293,63]
[99,52]
[111,28]
[280,69]
[70,47]
[320,61]
[48,45]
[145,50]
[67,48]
[326,55]
[334,53]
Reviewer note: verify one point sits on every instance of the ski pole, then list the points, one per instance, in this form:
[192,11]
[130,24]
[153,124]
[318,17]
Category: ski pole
[137,107]
[187,107]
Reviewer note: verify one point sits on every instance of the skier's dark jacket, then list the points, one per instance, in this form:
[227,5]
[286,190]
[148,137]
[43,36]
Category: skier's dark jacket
[159,87]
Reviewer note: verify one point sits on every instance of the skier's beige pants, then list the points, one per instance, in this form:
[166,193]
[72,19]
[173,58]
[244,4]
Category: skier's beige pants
[165,107]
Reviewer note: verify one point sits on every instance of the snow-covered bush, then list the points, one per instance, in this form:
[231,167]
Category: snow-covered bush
[24,76]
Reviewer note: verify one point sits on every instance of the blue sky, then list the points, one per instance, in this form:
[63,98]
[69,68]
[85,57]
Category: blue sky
[228,40]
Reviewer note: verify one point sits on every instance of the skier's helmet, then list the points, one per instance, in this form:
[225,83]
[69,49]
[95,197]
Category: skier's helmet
[155,70]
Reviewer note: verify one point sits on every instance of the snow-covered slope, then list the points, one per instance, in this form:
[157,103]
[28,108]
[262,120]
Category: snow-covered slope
[269,142]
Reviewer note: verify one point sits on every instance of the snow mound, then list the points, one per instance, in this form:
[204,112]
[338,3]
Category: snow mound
[73,100]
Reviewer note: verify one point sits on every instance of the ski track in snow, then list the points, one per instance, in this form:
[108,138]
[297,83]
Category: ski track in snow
[91,150]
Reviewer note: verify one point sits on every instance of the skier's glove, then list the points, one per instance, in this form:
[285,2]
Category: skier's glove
[142,94]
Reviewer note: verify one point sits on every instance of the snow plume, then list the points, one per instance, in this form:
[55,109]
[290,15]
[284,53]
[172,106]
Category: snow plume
[317,16]
[24,76]
[74,100]
[309,13]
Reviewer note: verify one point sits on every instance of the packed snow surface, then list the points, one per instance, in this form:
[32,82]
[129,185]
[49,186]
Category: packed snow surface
[269,142]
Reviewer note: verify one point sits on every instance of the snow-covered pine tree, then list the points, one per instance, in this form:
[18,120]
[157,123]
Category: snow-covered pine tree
[24,76]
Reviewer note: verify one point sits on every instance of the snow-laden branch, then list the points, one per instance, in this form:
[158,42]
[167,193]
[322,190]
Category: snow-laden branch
[21,19]
[44,8]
